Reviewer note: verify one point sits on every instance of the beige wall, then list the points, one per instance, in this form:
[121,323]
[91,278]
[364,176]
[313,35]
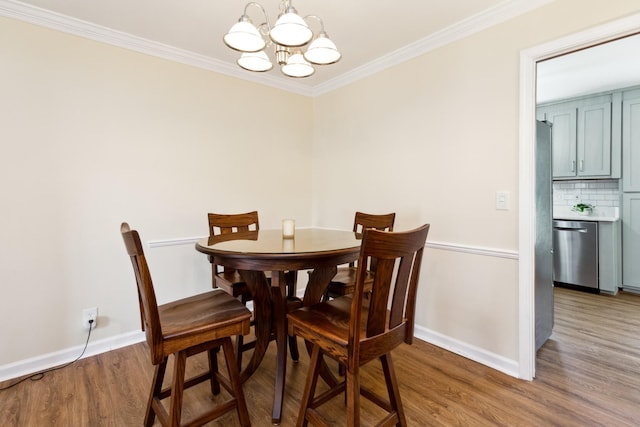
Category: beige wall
[433,139]
[93,135]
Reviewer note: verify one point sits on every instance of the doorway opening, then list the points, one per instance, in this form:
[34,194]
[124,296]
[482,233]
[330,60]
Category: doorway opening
[528,78]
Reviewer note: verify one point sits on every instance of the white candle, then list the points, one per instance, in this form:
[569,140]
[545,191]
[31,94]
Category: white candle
[288,245]
[288,228]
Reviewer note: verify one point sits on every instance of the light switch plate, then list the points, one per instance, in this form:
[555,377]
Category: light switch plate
[502,200]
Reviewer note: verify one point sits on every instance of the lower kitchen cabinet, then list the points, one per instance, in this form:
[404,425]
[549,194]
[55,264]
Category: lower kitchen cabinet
[631,241]
[610,263]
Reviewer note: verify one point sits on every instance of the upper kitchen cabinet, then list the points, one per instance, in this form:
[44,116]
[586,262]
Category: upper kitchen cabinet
[631,140]
[586,144]
[564,141]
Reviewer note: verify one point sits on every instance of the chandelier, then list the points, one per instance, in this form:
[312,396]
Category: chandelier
[286,38]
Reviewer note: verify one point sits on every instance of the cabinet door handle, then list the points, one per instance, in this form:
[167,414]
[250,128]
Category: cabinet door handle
[573,166]
[581,165]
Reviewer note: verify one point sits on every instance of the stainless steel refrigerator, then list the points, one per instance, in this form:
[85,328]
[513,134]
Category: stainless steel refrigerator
[544,235]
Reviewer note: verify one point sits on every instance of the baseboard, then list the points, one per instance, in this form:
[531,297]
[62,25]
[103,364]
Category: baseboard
[46,361]
[631,289]
[477,354]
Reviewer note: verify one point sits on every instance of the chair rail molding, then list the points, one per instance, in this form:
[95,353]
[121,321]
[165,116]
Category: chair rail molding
[476,250]
[174,242]
[446,246]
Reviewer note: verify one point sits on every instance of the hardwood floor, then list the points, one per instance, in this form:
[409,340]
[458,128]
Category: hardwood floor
[588,374]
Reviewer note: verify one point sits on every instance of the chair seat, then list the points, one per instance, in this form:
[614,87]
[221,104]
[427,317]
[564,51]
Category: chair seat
[232,283]
[344,282]
[330,318]
[293,303]
[214,313]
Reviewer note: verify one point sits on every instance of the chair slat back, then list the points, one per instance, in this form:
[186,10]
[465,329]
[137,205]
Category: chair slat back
[146,294]
[398,258]
[232,223]
[379,222]
[225,224]
[382,222]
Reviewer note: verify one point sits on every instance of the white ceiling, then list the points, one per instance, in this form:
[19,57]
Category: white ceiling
[365,31]
[371,35]
[362,29]
[600,68]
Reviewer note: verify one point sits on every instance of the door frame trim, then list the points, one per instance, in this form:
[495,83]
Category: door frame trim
[526,187]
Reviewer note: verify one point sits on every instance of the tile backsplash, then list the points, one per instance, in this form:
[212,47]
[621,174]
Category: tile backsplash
[596,192]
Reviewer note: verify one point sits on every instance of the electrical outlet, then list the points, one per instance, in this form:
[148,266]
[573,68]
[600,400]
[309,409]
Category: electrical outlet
[90,314]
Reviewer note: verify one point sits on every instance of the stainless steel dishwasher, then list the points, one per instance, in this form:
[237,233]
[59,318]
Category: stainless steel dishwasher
[575,253]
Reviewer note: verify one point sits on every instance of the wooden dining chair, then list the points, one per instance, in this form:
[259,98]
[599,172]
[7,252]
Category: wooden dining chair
[231,282]
[355,330]
[343,282]
[183,328]
[226,278]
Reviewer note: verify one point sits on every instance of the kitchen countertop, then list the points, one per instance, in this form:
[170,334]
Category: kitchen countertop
[605,214]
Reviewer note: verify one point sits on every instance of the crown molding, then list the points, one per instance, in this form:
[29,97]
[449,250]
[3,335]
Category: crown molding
[55,21]
[474,24]
[48,19]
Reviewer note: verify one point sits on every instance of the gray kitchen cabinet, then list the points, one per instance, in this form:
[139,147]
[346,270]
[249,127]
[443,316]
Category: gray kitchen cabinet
[594,140]
[610,262]
[631,190]
[631,140]
[582,132]
[563,136]
[631,241]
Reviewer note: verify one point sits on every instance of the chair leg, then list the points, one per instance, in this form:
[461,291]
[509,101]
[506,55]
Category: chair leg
[325,296]
[240,338]
[293,348]
[213,369]
[392,388]
[213,274]
[310,386]
[177,388]
[156,388]
[291,278]
[238,351]
[353,396]
[236,385]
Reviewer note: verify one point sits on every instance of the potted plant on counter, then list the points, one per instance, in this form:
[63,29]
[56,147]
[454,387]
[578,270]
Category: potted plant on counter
[583,208]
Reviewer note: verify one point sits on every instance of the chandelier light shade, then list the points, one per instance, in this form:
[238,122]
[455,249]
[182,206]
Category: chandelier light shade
[291,30]
[287,39]
[255,61]
[297,66]
[243,36]
[322,51]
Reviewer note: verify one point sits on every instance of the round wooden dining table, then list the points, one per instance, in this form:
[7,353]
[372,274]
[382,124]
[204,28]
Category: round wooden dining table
[253,253]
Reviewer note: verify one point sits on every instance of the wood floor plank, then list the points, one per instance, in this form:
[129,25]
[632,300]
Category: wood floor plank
[587,374]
